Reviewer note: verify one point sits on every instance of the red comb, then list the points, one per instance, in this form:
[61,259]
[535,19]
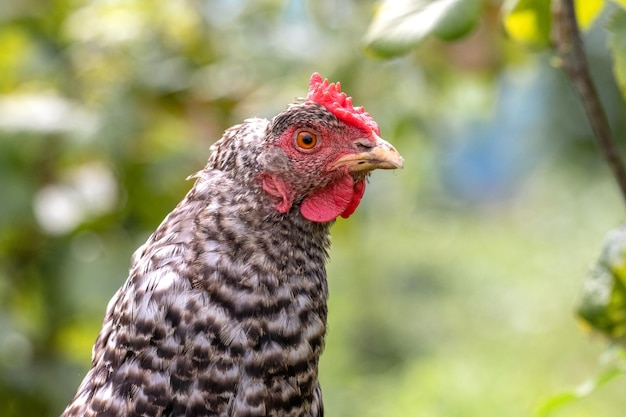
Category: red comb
[330,96]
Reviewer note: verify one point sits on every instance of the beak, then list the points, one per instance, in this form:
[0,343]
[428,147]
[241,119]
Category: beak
[378,155]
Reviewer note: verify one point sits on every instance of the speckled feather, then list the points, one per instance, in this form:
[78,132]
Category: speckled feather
[224,310]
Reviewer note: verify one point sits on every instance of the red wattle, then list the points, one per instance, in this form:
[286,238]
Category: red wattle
[340,198]
[359,190]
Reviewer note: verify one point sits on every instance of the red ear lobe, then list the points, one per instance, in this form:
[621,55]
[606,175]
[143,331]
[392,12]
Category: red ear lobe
[340,198]
[275,187]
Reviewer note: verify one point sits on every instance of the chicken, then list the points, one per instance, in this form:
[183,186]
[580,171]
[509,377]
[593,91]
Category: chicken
[224,310]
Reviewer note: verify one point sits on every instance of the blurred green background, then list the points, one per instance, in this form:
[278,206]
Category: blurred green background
[452,287]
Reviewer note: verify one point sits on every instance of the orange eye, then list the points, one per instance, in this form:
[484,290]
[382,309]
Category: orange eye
[306,140]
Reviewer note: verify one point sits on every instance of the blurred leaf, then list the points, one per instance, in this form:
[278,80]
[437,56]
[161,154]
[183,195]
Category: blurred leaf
[560,400]
[587,11]
[399,26]
[617,45]
[555,402]
[459,21]
[603,303]
[528,21]
[15,48]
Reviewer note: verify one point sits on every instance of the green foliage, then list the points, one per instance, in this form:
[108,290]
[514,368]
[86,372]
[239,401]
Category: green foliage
[587,11]
[399,26]
[451,286]
[617,44]
[528,21]
[603,303]
[557,402]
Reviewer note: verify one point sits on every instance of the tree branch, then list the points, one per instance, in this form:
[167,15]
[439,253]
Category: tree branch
[568,44]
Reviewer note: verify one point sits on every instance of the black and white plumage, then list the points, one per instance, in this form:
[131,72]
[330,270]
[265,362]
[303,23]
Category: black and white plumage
[224,310]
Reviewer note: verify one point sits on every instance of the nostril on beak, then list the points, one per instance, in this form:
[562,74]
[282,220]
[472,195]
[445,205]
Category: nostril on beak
[364,145]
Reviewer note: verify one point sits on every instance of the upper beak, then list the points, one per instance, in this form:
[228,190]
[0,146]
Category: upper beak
[380,155]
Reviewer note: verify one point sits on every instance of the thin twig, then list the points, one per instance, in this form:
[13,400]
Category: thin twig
[569,45]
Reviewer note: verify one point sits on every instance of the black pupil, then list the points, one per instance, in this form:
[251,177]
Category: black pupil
[307,139]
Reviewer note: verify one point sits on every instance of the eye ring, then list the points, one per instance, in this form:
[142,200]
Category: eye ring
[306,140]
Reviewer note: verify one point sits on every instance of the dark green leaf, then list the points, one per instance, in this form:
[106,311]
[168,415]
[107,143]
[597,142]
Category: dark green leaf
[459,21]
[399,26]
[603,303]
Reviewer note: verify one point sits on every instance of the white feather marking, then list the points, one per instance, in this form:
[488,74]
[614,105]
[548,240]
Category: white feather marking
[167,252]
[161,280]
